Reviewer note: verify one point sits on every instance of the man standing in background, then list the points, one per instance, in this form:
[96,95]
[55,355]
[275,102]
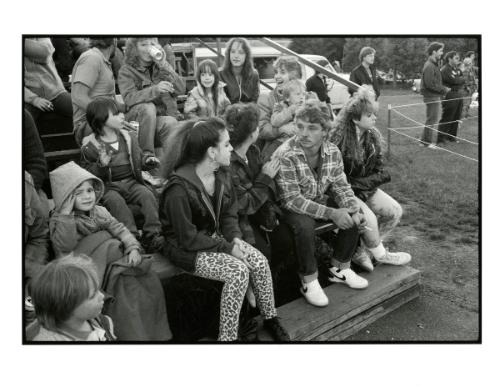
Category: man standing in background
[432,89]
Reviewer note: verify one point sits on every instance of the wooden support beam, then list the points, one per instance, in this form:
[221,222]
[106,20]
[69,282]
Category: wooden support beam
[311,64]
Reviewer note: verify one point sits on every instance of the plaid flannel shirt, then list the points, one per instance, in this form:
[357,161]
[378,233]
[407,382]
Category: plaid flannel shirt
[302,191]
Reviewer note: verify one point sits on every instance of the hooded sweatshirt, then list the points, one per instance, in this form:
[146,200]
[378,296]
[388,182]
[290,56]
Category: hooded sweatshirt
[66,231]
[193,221]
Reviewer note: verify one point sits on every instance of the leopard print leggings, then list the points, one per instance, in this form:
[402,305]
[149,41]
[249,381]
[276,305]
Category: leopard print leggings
[236,276]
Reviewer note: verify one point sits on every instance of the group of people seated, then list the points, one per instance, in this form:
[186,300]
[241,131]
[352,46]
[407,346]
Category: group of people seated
[244,175]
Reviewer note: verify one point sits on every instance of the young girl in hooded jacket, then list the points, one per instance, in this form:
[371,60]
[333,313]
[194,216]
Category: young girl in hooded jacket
[360,143]
[79,225]
[208,98]
[198,210]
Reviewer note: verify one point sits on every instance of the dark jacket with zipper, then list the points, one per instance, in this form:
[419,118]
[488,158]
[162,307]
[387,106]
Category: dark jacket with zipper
[253,188]
[359,75]
[432,83]
[367,175]
[453,78]
[191,222]
[248,91]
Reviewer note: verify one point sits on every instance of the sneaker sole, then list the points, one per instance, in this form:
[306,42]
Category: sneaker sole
[367,268]
[337,280]
[317,305]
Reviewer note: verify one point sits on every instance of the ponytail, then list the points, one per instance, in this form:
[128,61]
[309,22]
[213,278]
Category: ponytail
[189,142]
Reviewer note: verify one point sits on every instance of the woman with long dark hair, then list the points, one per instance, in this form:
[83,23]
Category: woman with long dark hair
[238,72]
[198,210]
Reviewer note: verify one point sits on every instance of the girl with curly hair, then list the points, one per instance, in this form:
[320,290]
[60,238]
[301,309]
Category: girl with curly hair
[361,144]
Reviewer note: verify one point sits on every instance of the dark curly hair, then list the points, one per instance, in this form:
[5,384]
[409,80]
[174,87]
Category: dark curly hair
[241,121]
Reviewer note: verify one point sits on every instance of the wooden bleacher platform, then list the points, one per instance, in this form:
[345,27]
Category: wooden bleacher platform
[349,310]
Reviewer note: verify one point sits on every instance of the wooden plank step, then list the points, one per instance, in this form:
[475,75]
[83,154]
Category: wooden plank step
[62,153]
[349,310]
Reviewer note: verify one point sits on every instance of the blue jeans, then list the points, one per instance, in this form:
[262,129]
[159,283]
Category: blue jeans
[344,245]
[431,117]
[119,194]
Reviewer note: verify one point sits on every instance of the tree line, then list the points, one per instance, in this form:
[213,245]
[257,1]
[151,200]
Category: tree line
[402,54]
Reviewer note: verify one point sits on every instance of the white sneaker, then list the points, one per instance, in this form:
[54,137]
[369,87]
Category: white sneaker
[432,146]
[362,258]
[396,258]
[314,294]
[348,277]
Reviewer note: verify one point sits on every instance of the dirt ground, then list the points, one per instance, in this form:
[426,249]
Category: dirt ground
[440,229]
[448,307]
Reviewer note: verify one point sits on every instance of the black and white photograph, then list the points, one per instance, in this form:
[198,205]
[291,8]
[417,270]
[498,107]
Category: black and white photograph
[282,199]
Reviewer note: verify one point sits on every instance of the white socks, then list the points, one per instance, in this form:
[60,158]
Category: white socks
[378,252]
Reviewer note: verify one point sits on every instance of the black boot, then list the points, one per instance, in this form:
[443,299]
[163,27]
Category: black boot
[273,325]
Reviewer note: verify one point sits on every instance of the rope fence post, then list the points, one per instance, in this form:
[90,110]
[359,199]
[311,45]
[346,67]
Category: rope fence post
[389,110]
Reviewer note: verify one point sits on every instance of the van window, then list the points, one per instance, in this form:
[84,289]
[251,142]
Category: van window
[264,66]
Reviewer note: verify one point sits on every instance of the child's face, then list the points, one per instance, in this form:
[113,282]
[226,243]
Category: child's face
[91,307]
[115,120]
[237,55]
[367,121]
[207,78]
[297,97]
[84,197]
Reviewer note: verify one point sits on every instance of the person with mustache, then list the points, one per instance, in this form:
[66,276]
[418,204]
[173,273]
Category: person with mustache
[313,190]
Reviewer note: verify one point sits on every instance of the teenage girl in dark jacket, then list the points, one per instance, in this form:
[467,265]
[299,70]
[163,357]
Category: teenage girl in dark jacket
[198,210]
[238,72]
[360,143]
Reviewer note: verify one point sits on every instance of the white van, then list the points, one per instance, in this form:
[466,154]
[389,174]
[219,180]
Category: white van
[263,57]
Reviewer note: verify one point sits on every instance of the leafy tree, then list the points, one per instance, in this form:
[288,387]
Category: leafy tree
[330,47]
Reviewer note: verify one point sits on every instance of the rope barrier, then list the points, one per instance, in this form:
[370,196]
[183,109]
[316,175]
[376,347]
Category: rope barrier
[423,125]
[437,147]
[449,122]
[425,103]
[397,96]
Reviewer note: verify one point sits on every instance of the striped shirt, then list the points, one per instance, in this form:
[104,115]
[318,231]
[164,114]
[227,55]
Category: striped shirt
[303,191]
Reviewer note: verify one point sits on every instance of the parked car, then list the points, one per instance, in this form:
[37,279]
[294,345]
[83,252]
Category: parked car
[188,56]
[388,77]
[416,85]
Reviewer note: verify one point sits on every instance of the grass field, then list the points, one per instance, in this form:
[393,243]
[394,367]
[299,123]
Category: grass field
[439,194]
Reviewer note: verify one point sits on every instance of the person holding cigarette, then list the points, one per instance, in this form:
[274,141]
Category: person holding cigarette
[149,85]
[312,189]
[360,143]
